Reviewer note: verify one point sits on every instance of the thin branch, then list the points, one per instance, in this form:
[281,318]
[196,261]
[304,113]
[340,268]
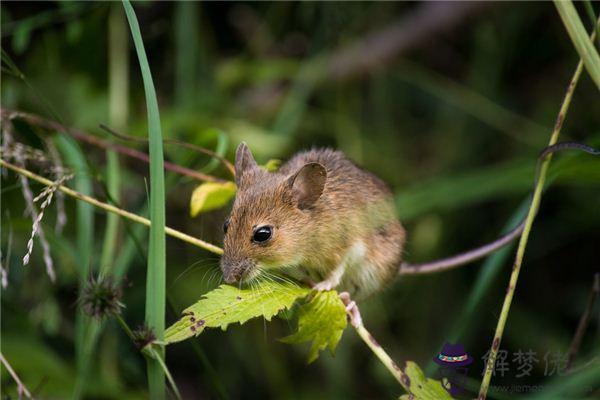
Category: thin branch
[380,47]
[356,321]
[110,208]
[583,322]
[21,388]
[189,146]
[535,203]
[104,144]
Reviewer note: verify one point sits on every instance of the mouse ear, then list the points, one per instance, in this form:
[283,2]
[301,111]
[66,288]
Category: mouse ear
[243,161]
[307,184]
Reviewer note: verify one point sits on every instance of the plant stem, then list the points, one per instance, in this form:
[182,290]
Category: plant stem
[21,388]
[158,358]
[356,321]
[385,359]
[125,327]
[151,351]
[583,322]
[110,208]
[535,202]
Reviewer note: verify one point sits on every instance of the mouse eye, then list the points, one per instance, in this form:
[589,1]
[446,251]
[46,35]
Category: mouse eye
[262,234]
[225,225]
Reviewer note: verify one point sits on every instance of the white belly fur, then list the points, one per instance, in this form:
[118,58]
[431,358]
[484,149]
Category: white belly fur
[357,272]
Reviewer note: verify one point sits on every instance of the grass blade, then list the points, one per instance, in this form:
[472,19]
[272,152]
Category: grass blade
[76,161]
[580,38]
[118,110]
[155,283]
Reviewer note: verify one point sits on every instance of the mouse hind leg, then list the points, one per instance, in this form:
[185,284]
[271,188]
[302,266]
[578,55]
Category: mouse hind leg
[380,263]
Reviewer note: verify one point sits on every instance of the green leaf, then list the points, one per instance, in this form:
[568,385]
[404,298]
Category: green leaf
[322,320]
[210,196]
[228,304]
[421,387]
[272,165]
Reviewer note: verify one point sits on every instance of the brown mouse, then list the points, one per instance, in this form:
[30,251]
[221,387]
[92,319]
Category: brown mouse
[323,219]
[319,218]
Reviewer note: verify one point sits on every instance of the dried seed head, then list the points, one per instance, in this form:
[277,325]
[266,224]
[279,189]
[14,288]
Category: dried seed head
[143,336]
[101,297]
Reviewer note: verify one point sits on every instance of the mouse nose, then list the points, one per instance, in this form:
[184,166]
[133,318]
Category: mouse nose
[231,276]
[233,270]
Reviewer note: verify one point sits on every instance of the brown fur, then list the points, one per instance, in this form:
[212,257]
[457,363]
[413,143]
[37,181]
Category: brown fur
[324,211]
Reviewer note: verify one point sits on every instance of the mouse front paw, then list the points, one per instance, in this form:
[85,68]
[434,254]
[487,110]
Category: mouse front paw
[324,286]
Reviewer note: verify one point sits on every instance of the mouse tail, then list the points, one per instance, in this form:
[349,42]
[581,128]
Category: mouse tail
[461,258]
[482,251]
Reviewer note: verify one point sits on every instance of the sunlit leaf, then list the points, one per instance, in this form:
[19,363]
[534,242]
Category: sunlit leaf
[272,165]
[211,196]
[421,387]
[228,304]
[321,321]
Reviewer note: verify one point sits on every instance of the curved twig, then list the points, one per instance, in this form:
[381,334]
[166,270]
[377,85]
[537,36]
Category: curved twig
[104,144]
[190,146]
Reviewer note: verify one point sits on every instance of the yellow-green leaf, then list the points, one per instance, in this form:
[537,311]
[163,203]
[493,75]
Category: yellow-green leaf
[272,165]
[210,196]
[322,320]
[229,304]
[421,387]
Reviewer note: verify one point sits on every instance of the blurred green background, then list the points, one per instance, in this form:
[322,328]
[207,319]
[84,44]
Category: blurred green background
[448,103]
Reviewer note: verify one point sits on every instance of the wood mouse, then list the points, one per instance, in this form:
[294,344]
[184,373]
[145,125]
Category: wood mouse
[323,219]
[319,218]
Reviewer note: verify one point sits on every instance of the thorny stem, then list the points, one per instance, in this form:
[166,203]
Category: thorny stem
[535,203]
[110,208]
[21,388]
[95,141]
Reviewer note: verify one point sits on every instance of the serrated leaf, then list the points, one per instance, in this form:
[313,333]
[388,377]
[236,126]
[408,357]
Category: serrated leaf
[228,304]
[421,387]
[210,196]
[322,320]
[272,165]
